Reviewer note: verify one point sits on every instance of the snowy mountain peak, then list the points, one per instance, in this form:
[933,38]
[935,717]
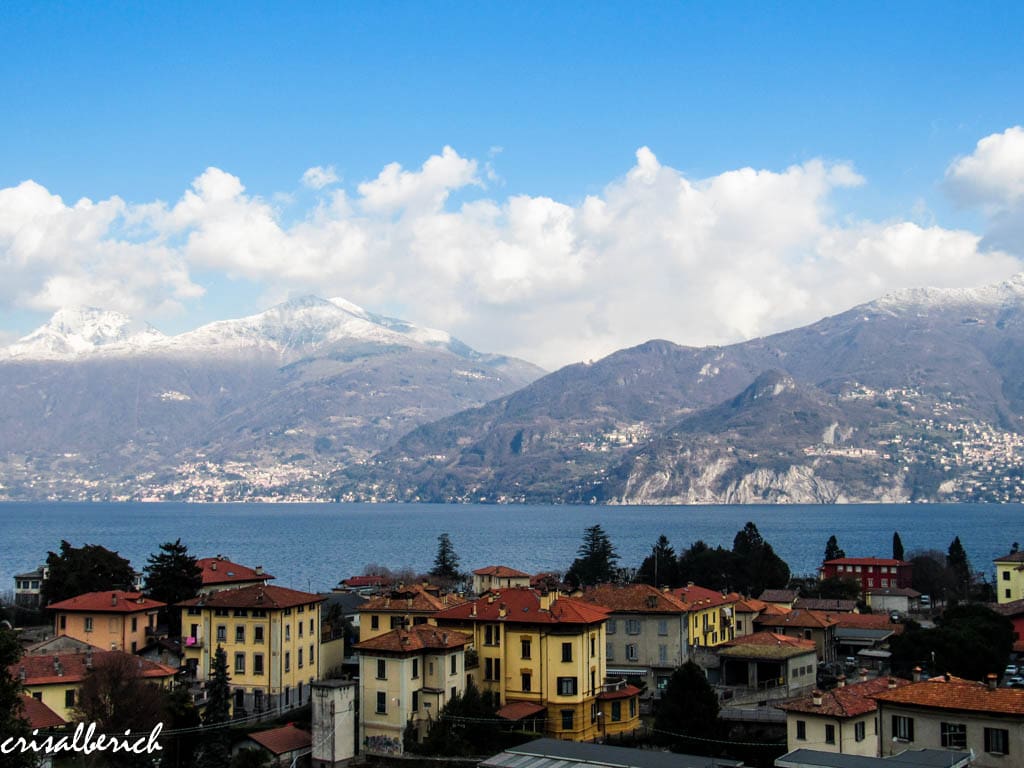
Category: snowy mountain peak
[1010,291]
[75,331]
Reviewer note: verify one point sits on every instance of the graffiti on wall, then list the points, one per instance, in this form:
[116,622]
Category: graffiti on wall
[386,745]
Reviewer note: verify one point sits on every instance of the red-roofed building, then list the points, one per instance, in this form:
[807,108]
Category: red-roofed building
[282,745]
[546,649]
[952,713]
[843,720]
[407,676]
[403,606]
[55,679]
[221,573]
[711,615]
[766,666]
[113,620]
[816,626]
[870,572]
[38,714]
[271,636]
[498,577]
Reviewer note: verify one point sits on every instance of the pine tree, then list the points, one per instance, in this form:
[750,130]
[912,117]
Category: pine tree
[173,575]
[832,550]
[960,566]
[756,565]
[660,567]
[216,751]
[91,568]
[897,546]
[596,561]
[446,562]
[689,707]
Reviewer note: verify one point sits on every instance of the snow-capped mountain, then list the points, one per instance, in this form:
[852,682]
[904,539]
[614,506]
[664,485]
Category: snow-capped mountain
[1006,293]
[77,331]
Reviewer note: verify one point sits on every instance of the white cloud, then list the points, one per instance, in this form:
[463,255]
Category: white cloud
[319,177]
[655,254]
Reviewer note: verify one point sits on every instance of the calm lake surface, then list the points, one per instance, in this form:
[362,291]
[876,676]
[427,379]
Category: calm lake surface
[313,546]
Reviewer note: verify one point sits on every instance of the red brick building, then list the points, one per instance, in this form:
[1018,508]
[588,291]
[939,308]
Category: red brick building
[871,572]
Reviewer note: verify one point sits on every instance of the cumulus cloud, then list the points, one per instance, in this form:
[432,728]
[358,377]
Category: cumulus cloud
[992,178]
[654,254]
[319,177]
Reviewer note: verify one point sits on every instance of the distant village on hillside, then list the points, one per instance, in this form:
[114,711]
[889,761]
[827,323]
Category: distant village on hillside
[706,657]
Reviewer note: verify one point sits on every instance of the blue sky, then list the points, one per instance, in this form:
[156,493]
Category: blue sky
[134,102]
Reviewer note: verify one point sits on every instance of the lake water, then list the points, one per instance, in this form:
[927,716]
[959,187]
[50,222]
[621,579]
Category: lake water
[313,546]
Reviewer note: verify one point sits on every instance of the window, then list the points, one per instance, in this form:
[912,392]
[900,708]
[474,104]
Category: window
[287,611]
[455,691]
[830,734]
[259,613]
[1006,575]
[311,655]
[311,626]
[257,634]
[616,711]
[632,707]
[287,631]
[455,664]
[374,621]
[663,654]
[382,703]
[567,686]
[902,728]
[566,651]
[858,731]
[527,682]
[593,646]
[69,697]
[492,669]
[525,647]
[239,663]
[492,635]
[221,612]
[300,629]
[300,658]
[415,668]
[239,634]
[567,716]
[397,622]
[801,730]
[609,653]
[632,652]
[135,624]
[302,609]
[807,634]
[1007,594]
[257,663]
[610,627]
[662,627]
[88,623]
[287,661]
[382,669]
[632,626]
[415,701]
[222,633]
[241,612]
[997,741]
[63,622]
[953,735]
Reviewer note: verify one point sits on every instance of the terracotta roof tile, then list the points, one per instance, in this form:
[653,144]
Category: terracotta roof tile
[254,596]
[409,599]
[625,692]
[518,710]
[767,645]
[366,581]
[696,598]
[419,638]
[798,618]
[866,621]
[825,604]
[282,740]
[1013,557]
[957,694]
[501,572]
[219,570]
[521,605]
[778,595]
[865,561]
[38,714]
[73,667]
[1014,608]
[634,598]
[772,638]
[851,700]
[110,601]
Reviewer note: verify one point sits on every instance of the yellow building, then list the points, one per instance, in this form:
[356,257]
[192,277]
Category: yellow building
[55,679]
[710,615]
[403,607]
[113,620]
[406,677]
[270,635]
[544,657]
[1010,577]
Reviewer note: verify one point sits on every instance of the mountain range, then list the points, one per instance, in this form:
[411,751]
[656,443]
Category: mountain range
[916,396]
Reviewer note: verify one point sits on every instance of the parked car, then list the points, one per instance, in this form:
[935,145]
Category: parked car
[925,601]
[1017,681]
[1011,670]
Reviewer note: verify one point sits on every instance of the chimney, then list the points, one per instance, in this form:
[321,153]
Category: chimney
[113,598]
[991,680]
[88,659]
[502,610]
[863,675]
[841,681]
[259,570]
[58,668]
[892,683]
[546,598]
[213,565]
[816,698]
[917,675]
[22,674]
[472,610]
[490,598]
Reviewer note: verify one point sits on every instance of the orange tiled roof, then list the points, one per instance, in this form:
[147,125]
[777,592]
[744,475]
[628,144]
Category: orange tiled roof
[1013,557]
[418,638]
[696,598]
[517,710]
[409,599]
[779,595]
[521,605]
[798,618]
[501,572]
[957,694]
[282,740]
[625,692]
[366,581]
[73,667]
[219,570]
[866,621]
[749,604]
[38,714]
[254,596]
[851,700]
[634,598]
[772,638]
[110,601]
[1014,608]
[865,561]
